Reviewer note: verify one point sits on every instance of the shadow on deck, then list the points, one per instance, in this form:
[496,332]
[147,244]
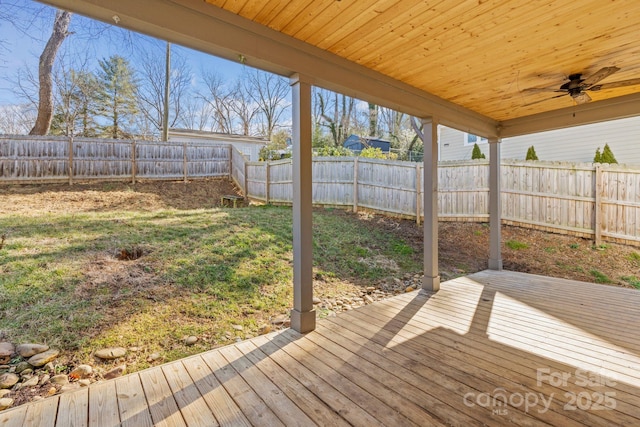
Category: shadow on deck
[492,348]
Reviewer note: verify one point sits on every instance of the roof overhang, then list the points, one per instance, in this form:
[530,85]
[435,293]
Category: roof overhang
[201,26]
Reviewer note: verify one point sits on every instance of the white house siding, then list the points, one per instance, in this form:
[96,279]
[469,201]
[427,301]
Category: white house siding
[249,146]
[576,144]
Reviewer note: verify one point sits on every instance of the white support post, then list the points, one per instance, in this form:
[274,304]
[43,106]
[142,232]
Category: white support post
[495,209]
[303,316]
[431,281]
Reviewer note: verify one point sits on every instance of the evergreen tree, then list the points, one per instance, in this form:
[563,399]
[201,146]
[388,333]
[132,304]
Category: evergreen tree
[476,153]
[607,155]
[531,154]
[116,97]
[598,157]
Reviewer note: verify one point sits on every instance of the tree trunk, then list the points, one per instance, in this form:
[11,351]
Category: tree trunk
[45,67]
[373,119]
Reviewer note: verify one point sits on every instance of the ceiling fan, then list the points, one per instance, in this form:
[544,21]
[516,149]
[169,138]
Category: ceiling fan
[577,86]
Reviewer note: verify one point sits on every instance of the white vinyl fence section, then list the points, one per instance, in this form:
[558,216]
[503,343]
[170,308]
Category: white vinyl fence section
[594,201]
[53,159]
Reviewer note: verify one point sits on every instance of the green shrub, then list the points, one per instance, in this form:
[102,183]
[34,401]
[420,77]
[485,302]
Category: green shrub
[531,154]
[332,151]
[476,153]
[606,156]
[598,157]
[377,153]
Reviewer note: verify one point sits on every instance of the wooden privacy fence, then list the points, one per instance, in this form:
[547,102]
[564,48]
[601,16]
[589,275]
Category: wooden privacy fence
[54,159]
[593,201]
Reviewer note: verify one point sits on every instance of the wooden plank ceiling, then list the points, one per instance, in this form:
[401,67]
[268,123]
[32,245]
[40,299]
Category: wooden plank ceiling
[478,54]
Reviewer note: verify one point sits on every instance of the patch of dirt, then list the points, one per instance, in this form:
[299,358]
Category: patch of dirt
[464,248]
[105,196]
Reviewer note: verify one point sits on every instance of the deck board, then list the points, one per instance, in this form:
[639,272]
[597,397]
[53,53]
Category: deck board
[132,403]
[416,359]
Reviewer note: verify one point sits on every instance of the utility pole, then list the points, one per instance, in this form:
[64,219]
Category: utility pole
[167,77]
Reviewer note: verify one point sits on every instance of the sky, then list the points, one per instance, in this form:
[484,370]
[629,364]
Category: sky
[20,51]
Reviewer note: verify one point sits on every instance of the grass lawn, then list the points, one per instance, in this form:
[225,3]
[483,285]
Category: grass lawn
[218,274]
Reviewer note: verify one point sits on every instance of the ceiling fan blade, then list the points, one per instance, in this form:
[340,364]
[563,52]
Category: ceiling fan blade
[613,85]
[582,98]
[599,75]
[542,100]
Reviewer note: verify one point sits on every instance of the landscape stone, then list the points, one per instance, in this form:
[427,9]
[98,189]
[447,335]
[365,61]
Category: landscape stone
[6,351]
[237,327]
[8,380]
[52,391]
[28,350]
[111,353]
[22,366]
[4,392]
[279,320]
[115,372]
[84,382]
[43,358]
[153,357]
[265,329]
[60,379]
[81,371]
[191,340]
[49,367]
[44,379]
[316,300]
[5,403]
[31,382]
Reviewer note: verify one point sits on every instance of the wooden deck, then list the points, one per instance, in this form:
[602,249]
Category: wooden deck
[493,348]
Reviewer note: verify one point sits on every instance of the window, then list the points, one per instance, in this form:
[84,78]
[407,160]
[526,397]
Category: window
[470,139]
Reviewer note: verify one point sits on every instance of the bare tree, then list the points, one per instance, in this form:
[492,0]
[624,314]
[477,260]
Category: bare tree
[74,97]
[197,114]
[45,67]
[219,98]
[151,89]
[16,119]
[244,108]
[270,92]
[336,113]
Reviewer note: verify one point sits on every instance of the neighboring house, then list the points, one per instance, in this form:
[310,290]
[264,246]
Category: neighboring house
[248,145]
[576,144]
[357,143]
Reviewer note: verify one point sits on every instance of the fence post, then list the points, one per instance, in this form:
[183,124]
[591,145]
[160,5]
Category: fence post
[133,162]
[418,176]
[230,162]
[184,161]
[70,160]
[597,210]
[246,179]
[355,184]
[266,182]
